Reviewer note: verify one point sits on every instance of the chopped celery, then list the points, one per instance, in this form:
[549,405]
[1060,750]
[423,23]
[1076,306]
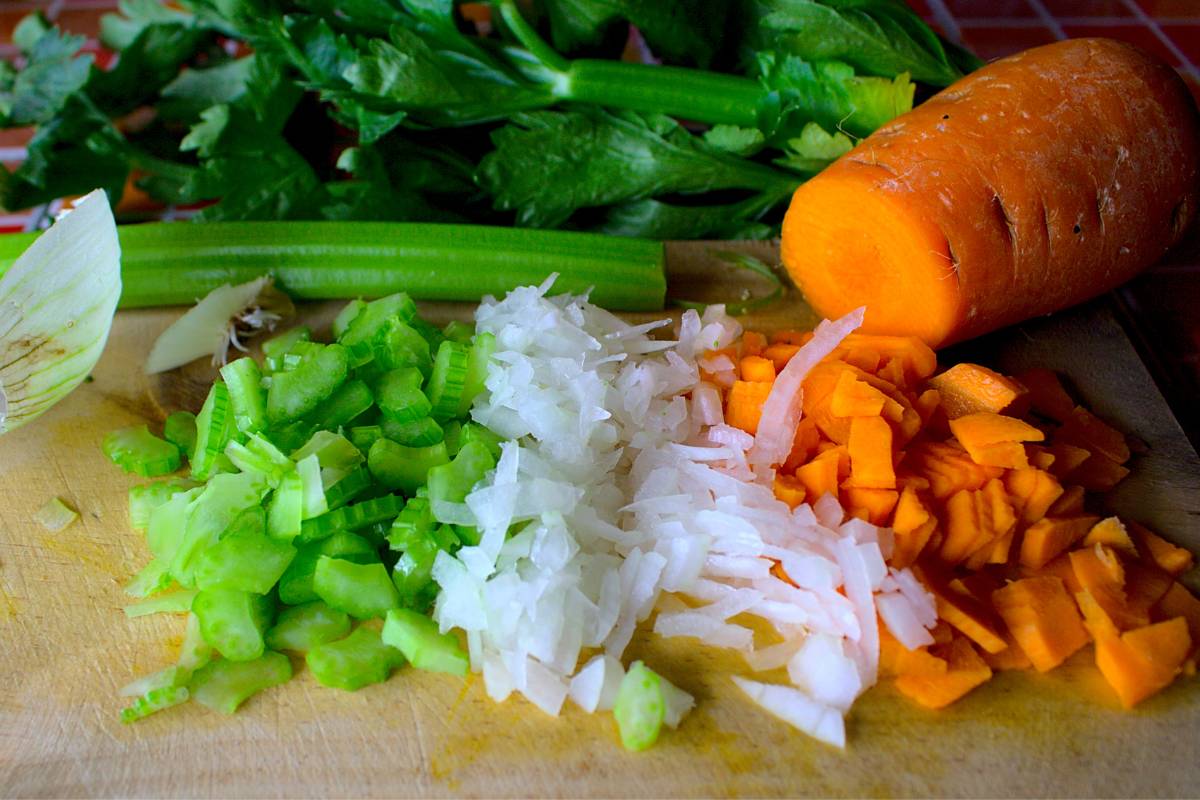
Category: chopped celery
[418,638]
[399,344]
[399,395]
[448,380]
[346,316]
[451,483]
[194,652]
[351,518]
[234,622]
[640,707]
[225,685]
[452,435]
[286,510]
[304,627]
[418,433]
[174,675]
[153,701]
[220,502]
[354,662]
[137,450]
[405,468]
[296,583]
[214,429]
[246,395]
[245,558]
[180,430]
[414,522]
[349,486]
[145,498]
[275,348]
[313,503]
[150,579]
[168,523]
[363,591]
[348,403]
[363,436]
[372,318]
[477,364]
[298,392]
[331,449]
[474,432]
[173,603]
[260,457]
[457,331]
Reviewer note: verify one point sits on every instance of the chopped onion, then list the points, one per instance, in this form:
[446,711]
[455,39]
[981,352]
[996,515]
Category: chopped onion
[56,308]
[797,709]
[55,515]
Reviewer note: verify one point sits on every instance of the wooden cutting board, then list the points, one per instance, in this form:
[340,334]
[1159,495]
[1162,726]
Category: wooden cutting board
[65,646]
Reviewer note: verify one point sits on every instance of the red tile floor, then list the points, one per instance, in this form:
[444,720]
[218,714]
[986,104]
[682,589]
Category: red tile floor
[1161,306]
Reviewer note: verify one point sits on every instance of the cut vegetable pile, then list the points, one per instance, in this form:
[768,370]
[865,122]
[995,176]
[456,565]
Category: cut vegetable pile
[516,498]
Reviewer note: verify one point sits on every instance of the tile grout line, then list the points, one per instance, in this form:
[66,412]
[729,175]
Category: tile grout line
[1153,25]
[1048,19]
[943,17]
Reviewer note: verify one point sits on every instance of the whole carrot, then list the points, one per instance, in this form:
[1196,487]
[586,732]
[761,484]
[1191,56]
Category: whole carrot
[1039,181]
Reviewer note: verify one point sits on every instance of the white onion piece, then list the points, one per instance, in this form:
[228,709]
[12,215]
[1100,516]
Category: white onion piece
[901,619]
[203,330]
[797,709]
[677,703]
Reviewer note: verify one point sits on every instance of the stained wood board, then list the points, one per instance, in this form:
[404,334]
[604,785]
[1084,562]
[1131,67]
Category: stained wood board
[66,647]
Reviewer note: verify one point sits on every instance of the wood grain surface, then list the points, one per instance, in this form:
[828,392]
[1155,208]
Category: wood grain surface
[66,647]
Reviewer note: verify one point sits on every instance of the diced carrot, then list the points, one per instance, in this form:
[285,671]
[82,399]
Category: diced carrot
[892,371]
[743,407]
[1049,536]
[789,489]
[1145,585]
[1043,619]
[780,354]
[1046,393]
[872,505]
[965,531]
[909,544]
[803,445]
[1011,657]
[1143,661]
[820,476]
[1111,531]
[1068,504]
[1099,473]
[970,388]
[1086,430]
[854,398]
[757,368]
[1179,602]
[1033,492]
[1101,575]
[1040,457]
[983,428]
[1056,568]
[927,403]
[1169,558]
[1067,458]
[798,338]
[753,343]
[965,671]
[870,449]
[970,617]
[1097,621]
[895,659]
[863,358]
[948,468]
[916,356]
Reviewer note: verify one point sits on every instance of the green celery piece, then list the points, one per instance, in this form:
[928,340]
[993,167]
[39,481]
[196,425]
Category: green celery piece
[214,429]
[150,579]
[145,498]
[363,436]
[418,433]
[457,535]
[301,353]
[371,320]
[351,400]
[354,662]
[348,487]
[153,701]
[194,652]
[285,511]
[423,645]
[224,685]
[399,395]
[245,559]
[341,322]
[292,436]
[452,435]
[275,348]
[174,603]
[640,707]
[137,450]
[414,523]
[296,584]
[451,483]
[216,507]
[260,457]
[246,395]
[474,432]
[413,573]
[351,518]
[234,622]
[398,344]
[304,627]
[363,591]
[298,392]
[480,354]
[405,468]
[448,380]
[168,524]
[174,675]
[180,430]
[457,331]
[313,503]
[331,449]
